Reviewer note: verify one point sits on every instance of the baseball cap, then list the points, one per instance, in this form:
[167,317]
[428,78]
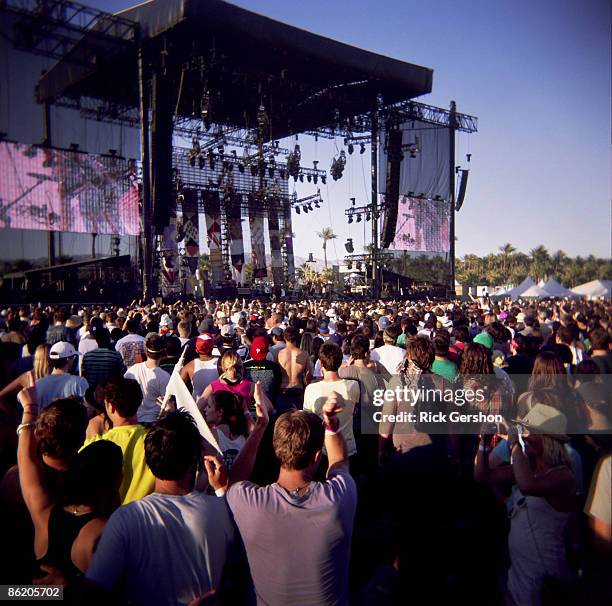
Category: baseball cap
[62,349]
[227,330]
[323,328]
[204,344]
[383,322]
[277,331]
[165,320]
[484,338]
[259,348]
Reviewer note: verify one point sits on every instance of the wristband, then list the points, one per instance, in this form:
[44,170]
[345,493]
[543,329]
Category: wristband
[24,426]
[220,492]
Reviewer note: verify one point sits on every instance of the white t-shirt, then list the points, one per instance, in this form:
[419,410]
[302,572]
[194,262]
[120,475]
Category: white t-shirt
[390,356]
[204,373]
[170,549]
[599,501]
[153,382]
[86,344]
[316,394]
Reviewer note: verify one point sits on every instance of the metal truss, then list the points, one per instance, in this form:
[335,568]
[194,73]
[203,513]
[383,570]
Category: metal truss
[102,110]
[53,27]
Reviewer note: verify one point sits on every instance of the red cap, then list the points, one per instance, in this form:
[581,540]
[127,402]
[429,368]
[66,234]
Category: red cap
[204,344]
[259,348]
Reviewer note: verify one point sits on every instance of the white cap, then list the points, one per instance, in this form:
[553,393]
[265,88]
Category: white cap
[227,330]
[62,349]
[221,315]
[165,320]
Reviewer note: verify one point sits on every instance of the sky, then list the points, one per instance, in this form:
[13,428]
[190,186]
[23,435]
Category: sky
[536,74]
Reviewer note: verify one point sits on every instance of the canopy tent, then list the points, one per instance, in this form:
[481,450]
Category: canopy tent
[554,289]
[517,291]
[534,292]
[594,289]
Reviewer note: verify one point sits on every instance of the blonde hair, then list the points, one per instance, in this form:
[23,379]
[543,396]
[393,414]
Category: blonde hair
[554,452]
[41,362]
[231,366]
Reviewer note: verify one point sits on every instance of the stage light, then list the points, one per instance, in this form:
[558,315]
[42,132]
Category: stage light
[323,179]
[74,147]
[350,219]
[349,265]
[350,148]
[297,210]
[315,178]
[317,204]
[349,245]
[253,170]
[352,201]
[358,218]
[310,207]
[301,178]
[309,178]
[310,258]
[201,161]
[362,148]
[305,208]
[241,167]
[337,166]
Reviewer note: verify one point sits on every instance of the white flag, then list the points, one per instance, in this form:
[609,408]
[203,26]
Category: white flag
[184,401]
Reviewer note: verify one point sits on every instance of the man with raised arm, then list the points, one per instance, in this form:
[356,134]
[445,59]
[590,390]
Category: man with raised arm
[297,532]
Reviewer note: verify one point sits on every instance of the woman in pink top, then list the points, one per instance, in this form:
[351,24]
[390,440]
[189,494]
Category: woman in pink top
[231,378]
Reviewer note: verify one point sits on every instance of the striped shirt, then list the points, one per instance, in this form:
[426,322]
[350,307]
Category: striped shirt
[101,364]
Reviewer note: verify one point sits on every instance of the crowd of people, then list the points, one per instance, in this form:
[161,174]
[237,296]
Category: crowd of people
[319,483]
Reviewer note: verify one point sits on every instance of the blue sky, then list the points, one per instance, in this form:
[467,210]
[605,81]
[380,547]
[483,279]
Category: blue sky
[537,75]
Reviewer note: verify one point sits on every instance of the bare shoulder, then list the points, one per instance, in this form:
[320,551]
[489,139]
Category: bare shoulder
[86,542]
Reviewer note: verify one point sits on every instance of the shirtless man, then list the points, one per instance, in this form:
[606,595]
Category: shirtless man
[296,372]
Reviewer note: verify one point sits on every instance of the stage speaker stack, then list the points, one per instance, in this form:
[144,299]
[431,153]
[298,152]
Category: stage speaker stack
[394,162]
[164,196]
[465,173]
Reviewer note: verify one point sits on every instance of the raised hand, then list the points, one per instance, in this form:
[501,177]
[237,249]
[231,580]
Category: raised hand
[330,411]
[216,471]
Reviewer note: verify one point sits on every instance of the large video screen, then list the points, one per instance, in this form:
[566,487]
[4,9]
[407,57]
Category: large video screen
[423,225]
[58,190]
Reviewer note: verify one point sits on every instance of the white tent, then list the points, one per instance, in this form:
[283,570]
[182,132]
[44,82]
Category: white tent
[517,291]
[554,289]
[534,292]
[594,289]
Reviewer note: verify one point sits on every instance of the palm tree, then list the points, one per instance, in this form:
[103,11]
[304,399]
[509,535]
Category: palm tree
[540,261]
[325,235]
[506,252]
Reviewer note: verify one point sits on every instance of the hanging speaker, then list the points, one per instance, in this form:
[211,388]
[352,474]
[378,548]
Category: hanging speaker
[462,187]
[394,162]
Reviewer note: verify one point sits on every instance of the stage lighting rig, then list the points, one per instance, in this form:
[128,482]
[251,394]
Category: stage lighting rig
[337,166]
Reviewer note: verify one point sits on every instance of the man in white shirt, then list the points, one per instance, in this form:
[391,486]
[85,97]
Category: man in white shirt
[389,355]
[347,392]
[151,378]
[171,546]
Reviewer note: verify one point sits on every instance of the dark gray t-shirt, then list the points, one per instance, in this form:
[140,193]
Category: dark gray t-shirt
[298,548]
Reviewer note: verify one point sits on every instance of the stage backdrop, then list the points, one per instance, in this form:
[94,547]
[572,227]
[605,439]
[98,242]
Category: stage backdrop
[424,170]
[57,190]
